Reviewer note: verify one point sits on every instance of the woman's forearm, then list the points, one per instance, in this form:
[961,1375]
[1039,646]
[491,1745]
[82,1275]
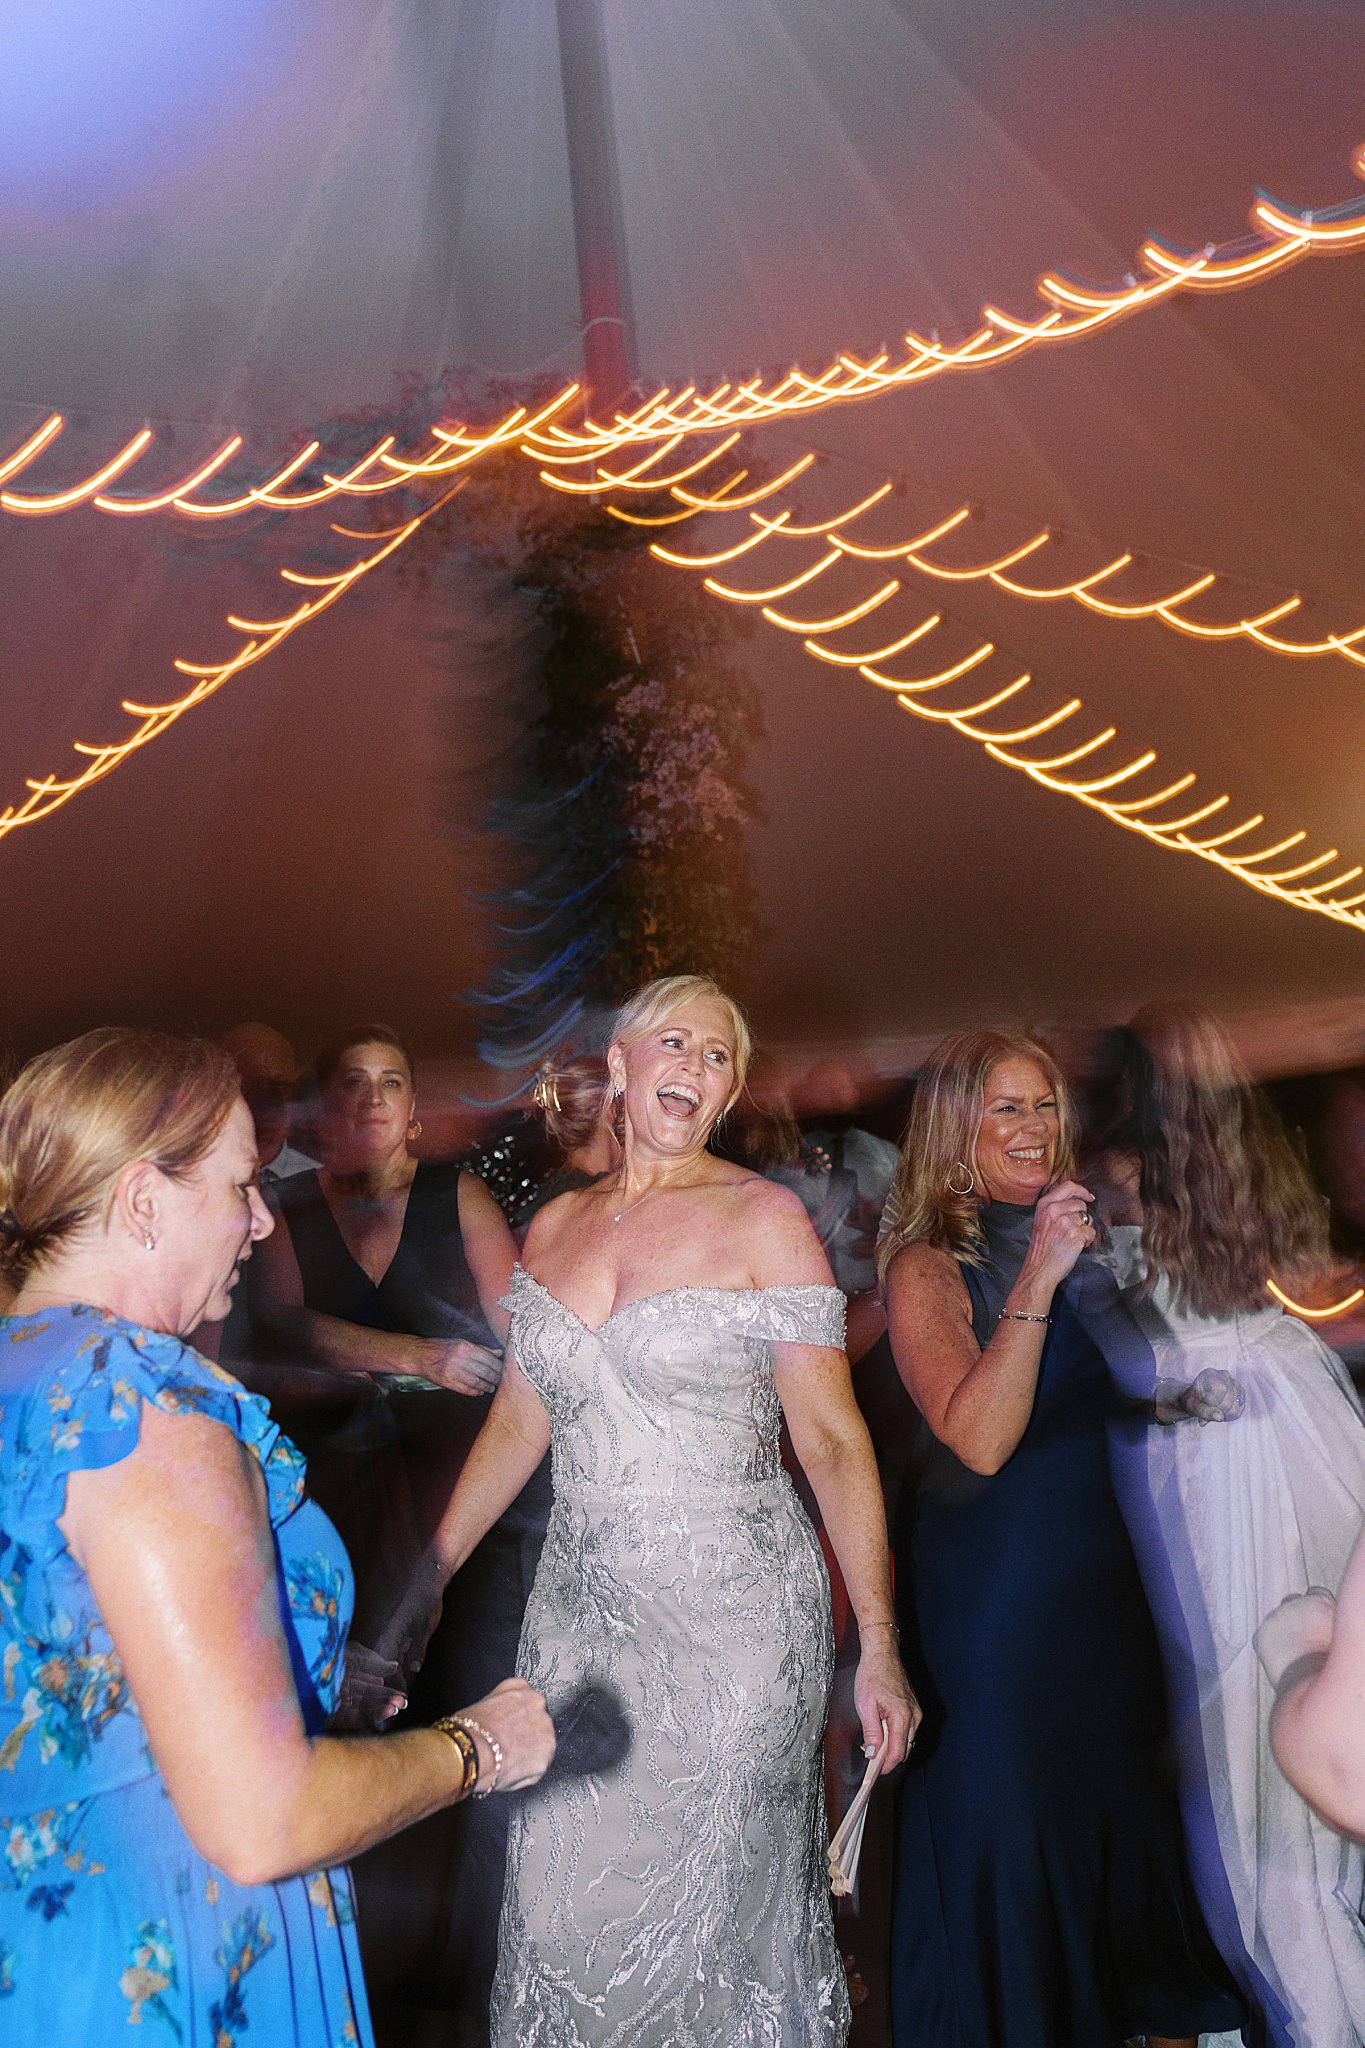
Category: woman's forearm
[844,1479]
[504,1456]
[350,1792]
[992,1405]
[989,1409]
[306,1334]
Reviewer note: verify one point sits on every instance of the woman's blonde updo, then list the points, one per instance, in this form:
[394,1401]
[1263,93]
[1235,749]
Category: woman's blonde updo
[657,1001]
[928,1202]
[78,1115]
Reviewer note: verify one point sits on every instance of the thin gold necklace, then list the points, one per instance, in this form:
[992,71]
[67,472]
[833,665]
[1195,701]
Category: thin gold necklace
[633,1205]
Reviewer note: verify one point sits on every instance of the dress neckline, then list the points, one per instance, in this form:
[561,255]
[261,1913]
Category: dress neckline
[376,1287]
[666,1294]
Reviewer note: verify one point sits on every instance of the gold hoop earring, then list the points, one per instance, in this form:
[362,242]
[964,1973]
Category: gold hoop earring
[959,1167]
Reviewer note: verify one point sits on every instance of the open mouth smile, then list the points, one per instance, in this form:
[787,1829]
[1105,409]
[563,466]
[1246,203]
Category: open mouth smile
[678,1100]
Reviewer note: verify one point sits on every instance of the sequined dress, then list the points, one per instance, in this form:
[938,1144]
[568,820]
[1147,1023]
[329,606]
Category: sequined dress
[675,1897]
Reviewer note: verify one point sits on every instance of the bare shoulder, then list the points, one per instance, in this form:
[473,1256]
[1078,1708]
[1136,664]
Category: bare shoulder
[475,1196]
[926,1275]
[558,1219]
[778,1238]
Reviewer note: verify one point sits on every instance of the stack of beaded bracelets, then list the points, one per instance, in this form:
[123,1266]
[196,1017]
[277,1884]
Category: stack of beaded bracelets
[461,1729]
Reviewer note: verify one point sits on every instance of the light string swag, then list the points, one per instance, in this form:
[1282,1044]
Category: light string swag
[1316,882]
[48,793]
[1167,608]
[1281,236]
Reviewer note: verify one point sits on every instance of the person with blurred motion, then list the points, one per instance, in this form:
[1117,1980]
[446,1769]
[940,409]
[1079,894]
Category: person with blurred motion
[1313,1650]
[572,1101]
[1206,1200]
[1042,1898]
[664,1319]
[387,1273]
[269,1075]
[173,1611]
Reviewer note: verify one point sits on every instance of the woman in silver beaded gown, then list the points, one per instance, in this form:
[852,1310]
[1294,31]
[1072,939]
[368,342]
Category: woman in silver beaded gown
[668,1888]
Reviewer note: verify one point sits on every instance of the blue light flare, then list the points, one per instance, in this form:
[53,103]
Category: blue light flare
[101,91]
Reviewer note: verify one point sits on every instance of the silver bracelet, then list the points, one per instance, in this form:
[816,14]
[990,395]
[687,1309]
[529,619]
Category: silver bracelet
[1017,1315]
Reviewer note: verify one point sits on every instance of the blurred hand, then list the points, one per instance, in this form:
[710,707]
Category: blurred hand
[886,1705]
[369,1696]
[403,1638]
[517,1717]
[1302,1626]
[1062,1230]
[460,1367]
[1213,1396]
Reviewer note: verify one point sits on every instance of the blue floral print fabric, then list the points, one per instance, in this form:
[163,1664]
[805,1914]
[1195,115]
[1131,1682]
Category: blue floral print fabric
[109,1917]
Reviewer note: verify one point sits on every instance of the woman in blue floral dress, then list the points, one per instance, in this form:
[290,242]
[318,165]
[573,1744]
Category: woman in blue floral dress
[173,1612]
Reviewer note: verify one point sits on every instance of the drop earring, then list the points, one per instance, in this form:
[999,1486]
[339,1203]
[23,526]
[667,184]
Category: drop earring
[953,1188]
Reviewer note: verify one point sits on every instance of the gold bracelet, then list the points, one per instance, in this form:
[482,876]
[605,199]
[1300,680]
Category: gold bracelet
[477,1728]
[449,1726]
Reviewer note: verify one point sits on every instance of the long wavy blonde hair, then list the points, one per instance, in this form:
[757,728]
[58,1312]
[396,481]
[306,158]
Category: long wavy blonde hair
[940,1140]
[1227,1203]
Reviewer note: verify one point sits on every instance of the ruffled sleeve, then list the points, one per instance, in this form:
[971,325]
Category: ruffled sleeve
[80,1410]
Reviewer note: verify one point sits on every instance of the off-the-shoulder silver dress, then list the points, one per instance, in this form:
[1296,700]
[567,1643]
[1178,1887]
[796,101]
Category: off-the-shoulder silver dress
[677,1898]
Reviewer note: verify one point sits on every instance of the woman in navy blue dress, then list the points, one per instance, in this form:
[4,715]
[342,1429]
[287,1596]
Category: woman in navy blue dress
[1042,1897]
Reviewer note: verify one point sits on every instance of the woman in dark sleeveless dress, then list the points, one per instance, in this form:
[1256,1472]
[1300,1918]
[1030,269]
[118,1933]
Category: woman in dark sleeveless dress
[1042,1896]
[388,1271]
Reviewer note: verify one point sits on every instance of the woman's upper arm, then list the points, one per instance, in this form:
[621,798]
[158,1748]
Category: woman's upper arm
[517,1404]
[176,1543]
[489,1247]
[782,1246]
[928,1317]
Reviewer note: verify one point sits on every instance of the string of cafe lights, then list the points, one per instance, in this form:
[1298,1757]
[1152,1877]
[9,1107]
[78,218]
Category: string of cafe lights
[262,637]
[451,449]
[1171,814]
[1167,607]
[1281,236]
[1316,1315]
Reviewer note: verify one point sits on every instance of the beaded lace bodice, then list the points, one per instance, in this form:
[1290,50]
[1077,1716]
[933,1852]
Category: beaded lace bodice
[676,1898]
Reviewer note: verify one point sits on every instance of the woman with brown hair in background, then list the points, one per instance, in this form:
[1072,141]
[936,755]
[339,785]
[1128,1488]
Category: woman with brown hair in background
[388,1271]
[1042,1898]
[1207,1202]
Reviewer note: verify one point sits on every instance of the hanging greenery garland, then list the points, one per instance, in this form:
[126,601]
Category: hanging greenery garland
[625,804]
